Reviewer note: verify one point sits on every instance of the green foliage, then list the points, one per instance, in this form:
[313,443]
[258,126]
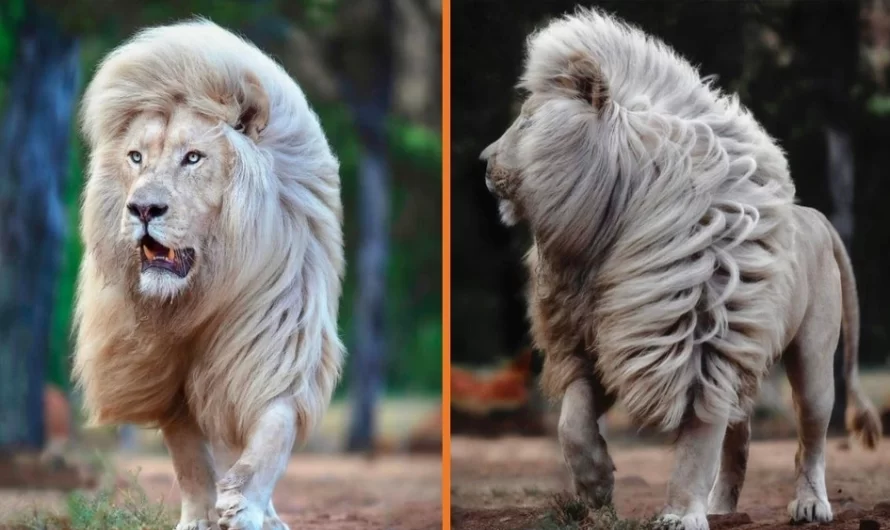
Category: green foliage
[106,18]
[11,13]
[416,145]
[414,328]
[879,105]
[318,13]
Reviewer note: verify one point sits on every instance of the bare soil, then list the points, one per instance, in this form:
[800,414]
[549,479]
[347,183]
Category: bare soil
[319,492]
[510,483]
[337,492]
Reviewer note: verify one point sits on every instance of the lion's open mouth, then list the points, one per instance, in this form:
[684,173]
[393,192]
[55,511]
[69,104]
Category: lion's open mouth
[157,256]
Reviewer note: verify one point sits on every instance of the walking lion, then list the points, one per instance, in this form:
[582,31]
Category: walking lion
[670,266]
[207,298]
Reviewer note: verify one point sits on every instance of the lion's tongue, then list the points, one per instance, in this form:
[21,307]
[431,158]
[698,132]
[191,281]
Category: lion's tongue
[154,250]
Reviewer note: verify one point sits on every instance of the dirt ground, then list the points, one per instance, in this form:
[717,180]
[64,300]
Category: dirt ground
[398,489]
[319,492]
[335,492]
[509,483]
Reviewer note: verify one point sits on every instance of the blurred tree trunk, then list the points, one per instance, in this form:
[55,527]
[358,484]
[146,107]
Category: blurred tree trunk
[841,184]
[34,149]
[840,179]
[417,63]
[830,42]
[368,91]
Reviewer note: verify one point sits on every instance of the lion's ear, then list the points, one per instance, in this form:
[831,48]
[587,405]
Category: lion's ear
[583,79]
[253,114]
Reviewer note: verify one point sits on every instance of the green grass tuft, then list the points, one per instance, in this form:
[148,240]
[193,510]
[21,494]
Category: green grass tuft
[569,512]
[109,508]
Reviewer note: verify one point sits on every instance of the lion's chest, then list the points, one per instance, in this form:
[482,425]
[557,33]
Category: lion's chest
[140,383]
[559,314]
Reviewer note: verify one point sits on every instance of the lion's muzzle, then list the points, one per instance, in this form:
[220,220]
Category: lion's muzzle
[154,254]
[501,182]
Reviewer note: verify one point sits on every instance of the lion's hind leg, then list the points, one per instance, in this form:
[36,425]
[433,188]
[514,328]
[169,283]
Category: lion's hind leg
[733,465]
[583,447]
[809,365]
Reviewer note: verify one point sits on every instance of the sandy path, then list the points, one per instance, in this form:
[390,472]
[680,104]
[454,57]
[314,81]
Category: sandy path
[508,483]
[335,492]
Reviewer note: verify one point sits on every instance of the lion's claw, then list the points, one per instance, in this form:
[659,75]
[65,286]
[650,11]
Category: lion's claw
[690,521]
[809,510]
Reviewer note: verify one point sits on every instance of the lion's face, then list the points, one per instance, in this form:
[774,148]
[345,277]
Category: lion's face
[503,174]
[175,172]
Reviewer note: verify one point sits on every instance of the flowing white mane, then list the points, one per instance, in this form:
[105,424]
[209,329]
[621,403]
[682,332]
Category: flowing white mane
[263,311]
[677,203]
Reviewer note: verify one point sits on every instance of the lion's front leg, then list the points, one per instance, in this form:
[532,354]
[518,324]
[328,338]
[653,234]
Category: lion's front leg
[193,465]
[695,469]
[244,494]
[583,447]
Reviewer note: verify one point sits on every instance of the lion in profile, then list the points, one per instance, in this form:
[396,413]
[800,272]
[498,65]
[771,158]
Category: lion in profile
[670,266]
[207,298]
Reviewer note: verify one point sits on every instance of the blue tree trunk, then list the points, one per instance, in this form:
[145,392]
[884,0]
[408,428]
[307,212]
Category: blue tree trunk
[369,97]
[34,153]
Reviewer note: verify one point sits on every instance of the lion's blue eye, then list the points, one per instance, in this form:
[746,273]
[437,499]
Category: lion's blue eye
[191,158]
[135,157]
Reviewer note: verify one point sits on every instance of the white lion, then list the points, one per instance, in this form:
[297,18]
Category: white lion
[207,299]
[670,267]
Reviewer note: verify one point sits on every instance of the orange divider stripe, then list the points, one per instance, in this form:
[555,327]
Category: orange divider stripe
[446,264]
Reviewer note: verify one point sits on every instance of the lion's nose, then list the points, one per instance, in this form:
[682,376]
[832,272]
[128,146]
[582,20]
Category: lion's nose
[488,151]
[146,212]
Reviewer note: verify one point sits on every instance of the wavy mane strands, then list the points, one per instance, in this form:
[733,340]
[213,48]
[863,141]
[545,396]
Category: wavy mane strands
[662,211]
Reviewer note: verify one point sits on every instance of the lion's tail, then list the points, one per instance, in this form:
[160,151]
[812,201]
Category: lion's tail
[861,417]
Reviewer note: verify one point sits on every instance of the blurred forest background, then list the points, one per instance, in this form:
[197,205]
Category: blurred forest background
[370,68]
[815,74]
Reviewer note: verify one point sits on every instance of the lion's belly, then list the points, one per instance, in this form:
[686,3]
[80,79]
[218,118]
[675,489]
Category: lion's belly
[814,265]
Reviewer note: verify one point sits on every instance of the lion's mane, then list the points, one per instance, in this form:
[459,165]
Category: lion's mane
[661,216]
[260,323]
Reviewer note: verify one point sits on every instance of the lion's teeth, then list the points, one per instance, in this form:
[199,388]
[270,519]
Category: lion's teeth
[170,255]
[148,252]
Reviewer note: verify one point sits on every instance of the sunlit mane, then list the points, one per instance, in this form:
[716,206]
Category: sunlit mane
[262,317]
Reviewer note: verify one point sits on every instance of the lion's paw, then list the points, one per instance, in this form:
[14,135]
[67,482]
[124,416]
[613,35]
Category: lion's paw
[668,521]
[594,480]
[238,513]
[596,494]
[809,510]
[200,524]
[690,521]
